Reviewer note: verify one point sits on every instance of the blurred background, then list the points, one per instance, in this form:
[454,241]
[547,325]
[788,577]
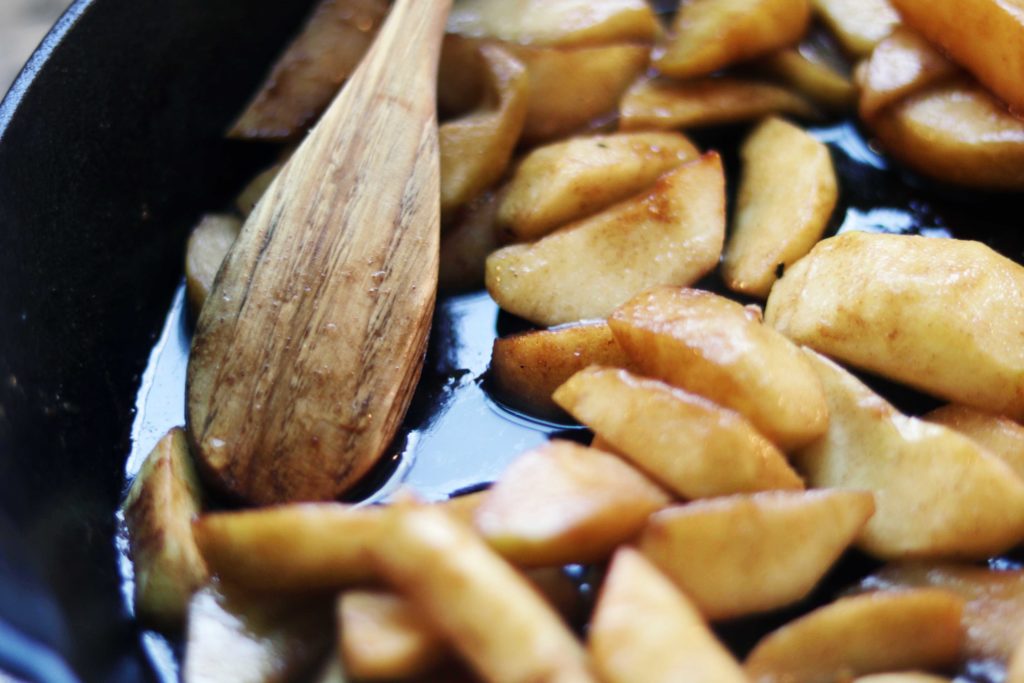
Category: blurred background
[23,23]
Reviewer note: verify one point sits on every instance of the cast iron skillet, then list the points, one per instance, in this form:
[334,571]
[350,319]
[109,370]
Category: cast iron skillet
[111,146]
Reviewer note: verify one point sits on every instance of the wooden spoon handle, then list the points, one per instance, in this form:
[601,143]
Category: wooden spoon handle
[310,345]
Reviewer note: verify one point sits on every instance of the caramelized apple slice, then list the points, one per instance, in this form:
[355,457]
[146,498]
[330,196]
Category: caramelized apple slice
[787,193]
[792,539]
[645,631]
[572,179]
[709,35]
[858,24]
[570,88]
[865,634]
[993,617]
[555,22]
[692,446]
[158,513]
[564,503]
[986,36]
[937,493]
[300,87]
[476,148]
[207,246]
[1002,436]
[671,234]
[664,104]
[528,367]
[956,133]
[908,308]
[900,65]
[714,347]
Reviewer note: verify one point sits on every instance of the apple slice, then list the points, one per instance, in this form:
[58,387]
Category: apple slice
[299,88]
[873,633]
[207,246]
[993,617]
[664,104]
[488,611]
[476,148]
[714,347]
[383,636]
[568,180]
[528,367]
[555,22]
[692,446]
[792,539]
[1002,436]
[986,36]
[787,193]
[957,133]
[569,88]
[858,24]
[942,315]
[900,65]
[937,493]
[709,35]
[158,512]
[564,503]
[645,631]
[671,234]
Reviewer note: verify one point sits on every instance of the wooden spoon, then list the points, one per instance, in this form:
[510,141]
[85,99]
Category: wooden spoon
[311,342]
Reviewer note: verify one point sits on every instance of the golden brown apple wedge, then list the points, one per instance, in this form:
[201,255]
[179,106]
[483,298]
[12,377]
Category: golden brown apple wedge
[1002,436]
[709,35]
[299,87]
[384,637]
[692,446]
[207,245]
[488,611]
[937,493]
[858,24]
[873,633]
[671,234]
[900,65]
[714,347]
[792,538]
[467,242]
[476,148]
[528,367]
[993,617]
[560,23]
[908,308]
[807,72]
[663,104]
[158,513]
[645,630]
[787,193]
[568,180]
[570,88]
[986,36]
[564,503]
[302,547]
[957,133]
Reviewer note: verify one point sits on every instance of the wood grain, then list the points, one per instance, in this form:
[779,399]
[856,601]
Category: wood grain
[311,342]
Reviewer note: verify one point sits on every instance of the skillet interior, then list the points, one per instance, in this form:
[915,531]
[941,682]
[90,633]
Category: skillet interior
[110,145]
[109,150]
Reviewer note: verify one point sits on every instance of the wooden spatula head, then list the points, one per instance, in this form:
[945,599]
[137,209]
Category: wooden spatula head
[310,345]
